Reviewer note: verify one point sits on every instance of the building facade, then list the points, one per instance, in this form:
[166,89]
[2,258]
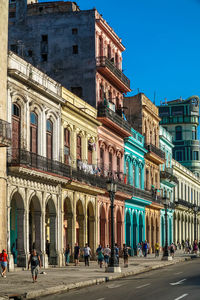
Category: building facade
[134,168]
[187,193]
[143,116]
[167,184]
[181,118]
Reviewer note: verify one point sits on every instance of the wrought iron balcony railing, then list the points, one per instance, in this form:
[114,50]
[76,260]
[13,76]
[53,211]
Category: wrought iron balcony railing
[22,157]
[154,149]
[103,61]
[5,134]
[104,111]
[166,175]
[186,203]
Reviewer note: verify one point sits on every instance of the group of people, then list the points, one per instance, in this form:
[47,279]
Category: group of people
[187,247]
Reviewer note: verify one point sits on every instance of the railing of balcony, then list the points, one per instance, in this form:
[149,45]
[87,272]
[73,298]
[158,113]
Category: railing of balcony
[5,133]
[154,149]
[103,61]
[185,203]
[17,157]
[104,111]
[168,175]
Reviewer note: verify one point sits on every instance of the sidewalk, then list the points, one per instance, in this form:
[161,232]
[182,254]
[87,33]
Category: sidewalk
[56,280]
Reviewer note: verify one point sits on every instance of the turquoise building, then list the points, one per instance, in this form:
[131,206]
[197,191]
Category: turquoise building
[135,207]
[167,183]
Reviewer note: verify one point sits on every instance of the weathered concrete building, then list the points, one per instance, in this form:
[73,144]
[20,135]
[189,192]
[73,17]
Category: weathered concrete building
[4,126]
[63,41]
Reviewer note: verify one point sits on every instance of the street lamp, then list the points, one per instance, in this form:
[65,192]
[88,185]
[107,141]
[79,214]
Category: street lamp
[166,256]
[113,264]
[195,208]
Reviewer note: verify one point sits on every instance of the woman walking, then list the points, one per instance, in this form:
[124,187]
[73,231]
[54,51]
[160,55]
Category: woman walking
[67,255]
[35,262]
[4,262]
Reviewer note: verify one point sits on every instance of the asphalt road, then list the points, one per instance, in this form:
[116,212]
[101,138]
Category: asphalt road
[176,282]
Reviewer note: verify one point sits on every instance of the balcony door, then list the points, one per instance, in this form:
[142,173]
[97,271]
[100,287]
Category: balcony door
[67,145]
[90,154]
[49,139]
[33,133]
[16,124]
[79,148]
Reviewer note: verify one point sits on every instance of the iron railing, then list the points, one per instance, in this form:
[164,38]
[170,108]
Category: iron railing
[168,176]
[103,61]
[185,203]
[5,133]
[104,111]
[154,149]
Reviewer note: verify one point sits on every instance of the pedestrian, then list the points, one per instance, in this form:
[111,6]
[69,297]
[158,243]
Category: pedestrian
[139,249]
[100,256]
[76,254]
[106,253]
[195,247]
[86,253]
[172,249]
[35,262]
[117,253]
[157,249]
[199,246]
[47,248]
[4,262]
[145,248]
[125,255]
[67,255]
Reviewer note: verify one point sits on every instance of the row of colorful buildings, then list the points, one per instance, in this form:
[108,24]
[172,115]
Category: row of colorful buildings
[67,129]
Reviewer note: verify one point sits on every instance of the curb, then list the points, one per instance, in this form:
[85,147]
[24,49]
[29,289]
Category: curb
[82,284]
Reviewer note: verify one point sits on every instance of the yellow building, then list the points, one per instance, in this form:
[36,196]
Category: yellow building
[79,150]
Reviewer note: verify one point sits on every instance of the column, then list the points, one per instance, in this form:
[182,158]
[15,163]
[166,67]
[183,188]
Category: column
[142,177]
[136,175]
[21,257]
[74,221]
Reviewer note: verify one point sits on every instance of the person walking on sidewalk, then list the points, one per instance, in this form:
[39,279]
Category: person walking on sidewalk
[67,255]
[172,249]
[100,256]
[76,254]
[4,262]
[35,262]
[125,255]
[157,248]
[195,247]
[145,248]
[106,253]
[117,253]
[86,253]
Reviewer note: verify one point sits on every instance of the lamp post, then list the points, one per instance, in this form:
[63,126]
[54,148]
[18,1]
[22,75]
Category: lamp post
[113,264]
[195,208]
[166,256]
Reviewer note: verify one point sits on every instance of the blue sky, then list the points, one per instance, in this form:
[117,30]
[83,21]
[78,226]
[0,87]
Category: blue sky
[162,40]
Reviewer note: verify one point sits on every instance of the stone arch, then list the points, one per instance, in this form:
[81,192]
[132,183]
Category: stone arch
[91,226]
[162,231]
[79,223]
[147,229]
[102,224]
[135,229]
[17,229]
[67,223]
[119,228]
[152,234]
[35,223]
[50,231]
[141,227]
[128,228]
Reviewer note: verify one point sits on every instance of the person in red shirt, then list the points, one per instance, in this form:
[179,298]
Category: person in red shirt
[4,262]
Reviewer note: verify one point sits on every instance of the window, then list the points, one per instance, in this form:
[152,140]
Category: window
[127,172]
[79,147]
[49,139]
[44,47]
[75,49]
[101,158]
[45,38]
[14,48]
[66,145]
[109,52]
[179,156]
[74,30]
[133,175]
[110,162]
[44,57]
[101,92]
[140,178]
[30,53]
[118,167]
[194,133]
[178,130]
[90,148]
[12,14]
[100,46]
[15,110]
[33,132]
[195,155]
[15,128]
[78,91]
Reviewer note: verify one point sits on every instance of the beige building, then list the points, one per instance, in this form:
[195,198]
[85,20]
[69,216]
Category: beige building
[4,126]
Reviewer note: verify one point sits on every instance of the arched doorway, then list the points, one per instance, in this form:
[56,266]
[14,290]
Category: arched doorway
[135,233]
[79,224]
[34,225]
[162,231]
[102,224]
[140,228]
[147,230]
[152,235]
[128,229]
[50,226]
[17,218]
[90,226]
[16,125]
[119,228]
[67,224]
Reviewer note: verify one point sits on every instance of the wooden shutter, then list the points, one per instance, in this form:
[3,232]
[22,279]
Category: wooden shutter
[49,145]
[33,140]
[15,133]
[89,154]
[66,145]
[79,147]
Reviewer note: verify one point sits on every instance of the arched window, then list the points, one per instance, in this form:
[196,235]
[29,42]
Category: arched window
[49,139]
[16,113]
[66,145]
[178,130]
[33,132]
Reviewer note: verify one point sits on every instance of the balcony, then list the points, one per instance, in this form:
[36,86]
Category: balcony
[20,157]
[155,154]
[184,203]
[5,134]
[91,179]
[168,177]
[112,73]
[113,120]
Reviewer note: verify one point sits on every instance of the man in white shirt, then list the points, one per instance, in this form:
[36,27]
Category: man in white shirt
[106,253]
[87,253]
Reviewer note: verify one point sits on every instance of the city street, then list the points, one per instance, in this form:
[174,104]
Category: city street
[175,282]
